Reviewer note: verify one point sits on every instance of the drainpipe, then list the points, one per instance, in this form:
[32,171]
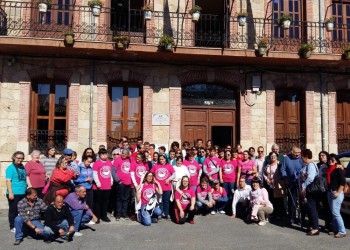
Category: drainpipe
[178,21]
[323,117]
[92,77]
[320,28]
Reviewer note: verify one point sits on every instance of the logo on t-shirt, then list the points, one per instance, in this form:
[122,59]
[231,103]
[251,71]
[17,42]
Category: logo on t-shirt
[105,172]
[184,200]
[216,194]
[192,169]
[162,173]
[227,168]
[204,194]
[125,167]
[148,193]
[140,171]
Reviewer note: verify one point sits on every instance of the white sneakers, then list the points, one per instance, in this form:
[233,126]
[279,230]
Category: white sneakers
[78,234]
[91,222]
[213,212]
[262,223]
[222,212]
[13,230]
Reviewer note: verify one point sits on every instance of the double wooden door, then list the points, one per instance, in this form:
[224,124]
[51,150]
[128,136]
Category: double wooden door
[343,121]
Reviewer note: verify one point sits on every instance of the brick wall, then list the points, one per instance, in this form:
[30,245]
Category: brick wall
[24,111]
[147,113]
[175,114]
[102,92]
[73,112]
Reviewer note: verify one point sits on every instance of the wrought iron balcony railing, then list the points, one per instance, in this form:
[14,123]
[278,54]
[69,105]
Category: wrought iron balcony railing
[42,139]
[343,141]
[22,19]
[286,141]
[113,137]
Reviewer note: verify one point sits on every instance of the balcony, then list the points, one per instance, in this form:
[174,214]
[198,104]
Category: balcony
[286,141]
[215,33]
[43,139]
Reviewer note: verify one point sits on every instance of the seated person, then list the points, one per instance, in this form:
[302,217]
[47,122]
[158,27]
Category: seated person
[28,220]
[240,202]
[205,200]
[220,198]
[59,220]
[185,201]
[80,210]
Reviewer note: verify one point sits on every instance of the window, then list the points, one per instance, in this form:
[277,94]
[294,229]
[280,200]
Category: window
[341,12]
[121,14]
[58,13]
[48,116]
[124,113]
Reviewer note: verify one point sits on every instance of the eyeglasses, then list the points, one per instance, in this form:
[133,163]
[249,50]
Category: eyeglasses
[115,154]
[260,151]
[19,158]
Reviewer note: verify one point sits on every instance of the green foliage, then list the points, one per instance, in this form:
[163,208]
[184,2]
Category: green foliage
[166,39]
[195,8]
[147,7]
[92,3]
[306,47]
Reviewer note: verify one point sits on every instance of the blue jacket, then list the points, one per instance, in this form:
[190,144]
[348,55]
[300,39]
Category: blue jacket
[291,167]
[84,174]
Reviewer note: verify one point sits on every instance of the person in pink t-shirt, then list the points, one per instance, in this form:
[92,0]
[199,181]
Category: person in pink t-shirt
[36,173]
[205,200]
[246,167]
[220,198]
[227,173]
[164,174]
[145,191]
[211,166]
[195,170]
[185,200]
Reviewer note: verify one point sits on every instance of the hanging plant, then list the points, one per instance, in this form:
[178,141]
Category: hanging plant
[306,49]
[285,20]
[95,6]
[347,52]
[195,12]
[242,17]
[329,23]
[262,46]
[147,12]
[43,5]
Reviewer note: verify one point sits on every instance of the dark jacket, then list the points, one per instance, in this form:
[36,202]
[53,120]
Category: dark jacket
[54,217]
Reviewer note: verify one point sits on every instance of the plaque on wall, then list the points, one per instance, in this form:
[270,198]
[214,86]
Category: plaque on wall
[160,119]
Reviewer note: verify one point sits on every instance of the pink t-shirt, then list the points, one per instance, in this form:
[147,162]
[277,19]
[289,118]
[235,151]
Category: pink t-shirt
[140,169]
[194,168]
[229,170]
[123,170]
[36,173]
[219,193]
[104,172]
[185,202]
[247,166]
[147,192]
[203,192]
[162,173]
[209,164]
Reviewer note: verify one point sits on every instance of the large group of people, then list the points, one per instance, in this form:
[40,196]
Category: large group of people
[52,197]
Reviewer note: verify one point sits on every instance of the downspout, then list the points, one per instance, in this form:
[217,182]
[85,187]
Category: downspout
[178,22]
[323,117]
[92,77]
[320,28]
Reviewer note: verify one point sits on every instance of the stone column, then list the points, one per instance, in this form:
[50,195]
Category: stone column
[102,92]
[245,121]
[310,120]
[147,113]
[175,114]
[270,119]
[73,116]
[24,113]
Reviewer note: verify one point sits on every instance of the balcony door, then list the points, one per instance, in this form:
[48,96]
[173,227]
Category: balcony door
[48,116]
[343,121]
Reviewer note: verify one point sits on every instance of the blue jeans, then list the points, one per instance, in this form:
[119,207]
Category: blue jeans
[220,204]
[23,230]
[164,206]
[145,218]
[335,204]
[229,186]
[80,217]
[63,225]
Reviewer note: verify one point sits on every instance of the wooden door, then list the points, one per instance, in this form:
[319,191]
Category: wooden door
[343,121]
[195,125]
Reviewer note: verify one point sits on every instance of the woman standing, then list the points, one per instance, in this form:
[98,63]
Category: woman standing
[335,198]
[144,193]
[194,169]
[86,178]
[211,166]
[49,161]
[246,168]
[16,186]
[164,173]
[228,170]
[180,171]
[36,173]
[185,201]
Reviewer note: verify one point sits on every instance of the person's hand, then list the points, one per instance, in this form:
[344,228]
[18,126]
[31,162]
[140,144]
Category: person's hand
[38,230]
[71,230]
[210,178]
[233,216]
[210,204]
[340,166]
[98,186]
[221,181]
[11,196]
[61,232]
[77,173]
[94,218]
[335,194]
[192,207]
[182,214]
[303,193]
[166,181]
[86,207]
[88,180]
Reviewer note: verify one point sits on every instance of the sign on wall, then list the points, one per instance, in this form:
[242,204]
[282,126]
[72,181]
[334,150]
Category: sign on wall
[160,119]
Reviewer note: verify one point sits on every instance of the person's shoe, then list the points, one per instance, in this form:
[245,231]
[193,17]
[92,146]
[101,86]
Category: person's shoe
[117,218]
[262,223]
[78,234]
[213,212]
[106,219]
[222,212]
[160,218]
[154,220]
[98,221]
[49,239]
[167,217]
[133,217]
[91,222]
[338,235]
[17,242]
[313,233]
[191,221]
[125,217]
[13,230]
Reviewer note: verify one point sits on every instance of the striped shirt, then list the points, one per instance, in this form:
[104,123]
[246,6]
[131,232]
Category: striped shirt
[29,213]
[49,164]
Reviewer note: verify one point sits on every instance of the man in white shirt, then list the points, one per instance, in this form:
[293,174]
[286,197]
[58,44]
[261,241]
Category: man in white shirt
[241,196]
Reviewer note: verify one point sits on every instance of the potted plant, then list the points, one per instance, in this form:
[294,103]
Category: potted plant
[242,17]
[195,12]
[147,12]
[347,52]
[285,20]
[95,6]
[69,37]
[329,23]
[306,50]
[121,42]
[43,5]
[262,46]
[167,42]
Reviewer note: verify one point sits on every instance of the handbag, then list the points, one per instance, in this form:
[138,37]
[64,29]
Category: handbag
[318,186]
[46,188]
[280,189]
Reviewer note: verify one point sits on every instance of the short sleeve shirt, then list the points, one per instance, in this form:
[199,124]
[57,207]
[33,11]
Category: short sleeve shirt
[17,178]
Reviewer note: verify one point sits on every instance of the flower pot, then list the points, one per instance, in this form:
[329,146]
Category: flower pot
[168,47]
[195,16]
[306,53]
[242,20]
[329,26]
[42,7]
[69,39]
[96,10]
[286,24]
[347,55]
[262,50]
[120,45]
[147,14]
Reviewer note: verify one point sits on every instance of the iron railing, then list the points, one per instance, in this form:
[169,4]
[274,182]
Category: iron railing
[286,141]
[113,137]
[343,141]
[42,139]
[22,19]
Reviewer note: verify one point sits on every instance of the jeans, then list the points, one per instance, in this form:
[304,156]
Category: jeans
[80,217]
[335,204]
[229,186]
[292,202]
[122,200]
[164,206]
[63,225]
[23,230]
[220,205]
[13,212]
[145,218]
[101,198]
[313,215]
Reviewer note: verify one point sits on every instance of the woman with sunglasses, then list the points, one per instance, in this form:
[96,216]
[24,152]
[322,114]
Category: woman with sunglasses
[246,168]
[185,200]
[227,173]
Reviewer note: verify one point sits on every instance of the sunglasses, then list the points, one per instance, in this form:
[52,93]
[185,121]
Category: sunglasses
[260,151]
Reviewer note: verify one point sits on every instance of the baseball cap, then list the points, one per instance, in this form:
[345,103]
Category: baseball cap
[216,181]
[67,151]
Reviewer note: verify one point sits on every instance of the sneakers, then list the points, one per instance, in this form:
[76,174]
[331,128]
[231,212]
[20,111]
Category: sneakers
[262,223]
[13,230]
[78,234]
[222,212]
[213,212]
[106,219]
[160,218]
[338,235]
[17,242]
[91,222]
[117,218]
[191,221]
[167,217]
